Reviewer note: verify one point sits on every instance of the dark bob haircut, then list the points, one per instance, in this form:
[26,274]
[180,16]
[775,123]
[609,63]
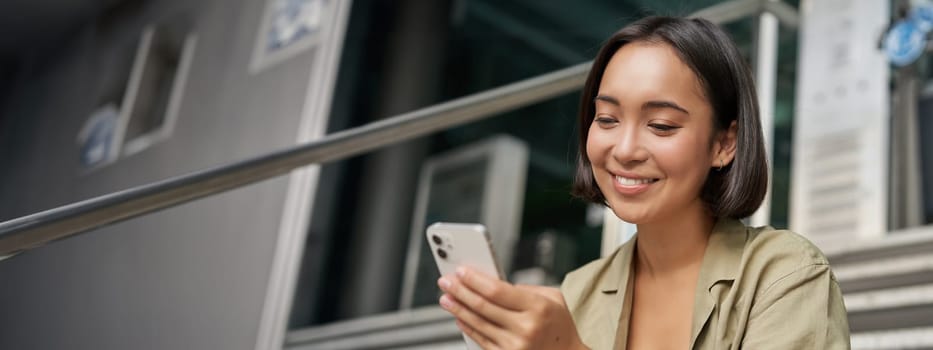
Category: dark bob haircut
[736,190]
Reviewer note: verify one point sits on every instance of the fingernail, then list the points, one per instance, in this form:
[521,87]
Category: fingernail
[444,283]
[445,301]
[461,271]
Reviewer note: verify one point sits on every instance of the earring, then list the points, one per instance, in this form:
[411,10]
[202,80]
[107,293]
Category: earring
[721,164]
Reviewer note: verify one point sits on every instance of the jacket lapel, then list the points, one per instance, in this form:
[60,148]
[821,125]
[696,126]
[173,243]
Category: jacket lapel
[613,285]
[720,264]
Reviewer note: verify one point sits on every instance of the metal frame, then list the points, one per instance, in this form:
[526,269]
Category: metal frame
[766,47]
[905,197]
[180,80]
[731,11]
[407,329]
[132,92]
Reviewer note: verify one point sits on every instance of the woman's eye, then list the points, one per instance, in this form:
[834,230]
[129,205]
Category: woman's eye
[605,121]
[663,127]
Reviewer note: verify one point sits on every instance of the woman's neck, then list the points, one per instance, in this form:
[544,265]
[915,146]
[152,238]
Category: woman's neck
[675,245]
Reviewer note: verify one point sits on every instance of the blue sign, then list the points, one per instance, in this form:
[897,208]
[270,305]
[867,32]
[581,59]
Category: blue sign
[922,16]
[293,20]
[905,42]
[97,135]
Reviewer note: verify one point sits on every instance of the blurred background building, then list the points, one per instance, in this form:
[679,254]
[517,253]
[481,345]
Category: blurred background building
[102,96]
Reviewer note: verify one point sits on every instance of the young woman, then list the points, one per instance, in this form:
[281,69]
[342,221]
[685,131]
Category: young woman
[670,140]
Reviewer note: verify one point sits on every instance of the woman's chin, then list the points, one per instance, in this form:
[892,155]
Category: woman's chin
[632,216]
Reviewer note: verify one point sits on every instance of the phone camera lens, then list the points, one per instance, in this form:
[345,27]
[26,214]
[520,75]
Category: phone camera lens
[441,253]
[437,240]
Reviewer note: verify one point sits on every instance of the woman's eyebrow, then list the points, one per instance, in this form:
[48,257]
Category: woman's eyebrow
[610,99]
[660,104]
[664,104]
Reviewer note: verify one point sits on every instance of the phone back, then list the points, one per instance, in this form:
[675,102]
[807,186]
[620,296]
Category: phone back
[454,245]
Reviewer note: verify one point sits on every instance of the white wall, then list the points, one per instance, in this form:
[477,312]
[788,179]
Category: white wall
[191,277]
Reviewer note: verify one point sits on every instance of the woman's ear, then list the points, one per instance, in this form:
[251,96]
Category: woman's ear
[724,146]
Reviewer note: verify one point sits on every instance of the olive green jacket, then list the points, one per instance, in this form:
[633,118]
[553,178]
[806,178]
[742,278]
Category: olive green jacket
[759,288]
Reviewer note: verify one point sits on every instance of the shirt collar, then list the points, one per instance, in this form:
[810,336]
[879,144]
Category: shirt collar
[720,261]
[723,254]
[616,277]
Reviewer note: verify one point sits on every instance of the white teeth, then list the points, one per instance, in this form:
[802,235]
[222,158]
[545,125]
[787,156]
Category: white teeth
[632,182]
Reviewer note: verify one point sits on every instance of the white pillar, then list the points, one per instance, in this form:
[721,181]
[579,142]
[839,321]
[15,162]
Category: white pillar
[766,80]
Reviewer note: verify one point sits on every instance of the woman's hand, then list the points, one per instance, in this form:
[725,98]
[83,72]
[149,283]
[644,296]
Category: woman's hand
[499,315]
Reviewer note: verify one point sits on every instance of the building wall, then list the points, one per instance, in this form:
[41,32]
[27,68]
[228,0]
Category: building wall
[190,277]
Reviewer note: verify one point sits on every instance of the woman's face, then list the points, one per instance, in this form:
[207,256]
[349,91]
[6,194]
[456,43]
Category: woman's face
[650,144]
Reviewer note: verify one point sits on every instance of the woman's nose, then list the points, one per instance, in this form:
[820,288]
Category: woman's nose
[629,148]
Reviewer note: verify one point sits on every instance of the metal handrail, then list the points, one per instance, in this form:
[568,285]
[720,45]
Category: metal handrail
[28,232]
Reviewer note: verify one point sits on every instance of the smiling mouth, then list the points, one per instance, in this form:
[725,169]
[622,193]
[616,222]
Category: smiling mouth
[624,181]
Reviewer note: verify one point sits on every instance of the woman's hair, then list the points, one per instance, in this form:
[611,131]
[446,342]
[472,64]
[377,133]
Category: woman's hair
[736,190]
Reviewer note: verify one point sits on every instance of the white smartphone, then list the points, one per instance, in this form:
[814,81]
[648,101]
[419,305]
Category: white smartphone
[454,245]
